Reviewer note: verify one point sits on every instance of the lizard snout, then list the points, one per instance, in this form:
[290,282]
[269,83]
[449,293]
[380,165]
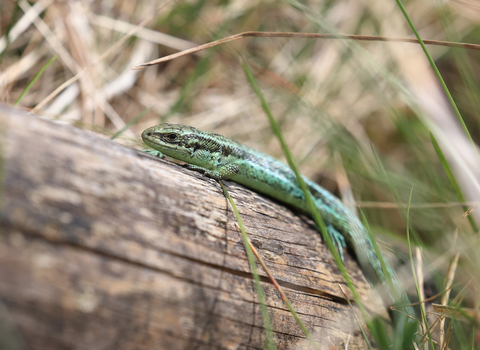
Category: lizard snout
[147,133]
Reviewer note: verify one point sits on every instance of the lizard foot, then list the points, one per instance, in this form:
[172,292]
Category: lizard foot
[210,173]
[337,239]
[154,153]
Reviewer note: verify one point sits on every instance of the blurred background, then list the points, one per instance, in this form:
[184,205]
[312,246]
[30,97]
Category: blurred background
[359,117]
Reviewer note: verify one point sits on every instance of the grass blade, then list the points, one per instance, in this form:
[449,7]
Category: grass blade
[310,202]
[437,73]
[130,123]
[422,308]
[270,345]
[453,182]
[284,297]
[35,78]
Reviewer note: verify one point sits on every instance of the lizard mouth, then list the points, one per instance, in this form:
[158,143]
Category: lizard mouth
[150,141]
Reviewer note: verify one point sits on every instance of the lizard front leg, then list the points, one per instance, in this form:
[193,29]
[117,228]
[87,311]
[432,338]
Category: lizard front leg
[154,152]
[223,172]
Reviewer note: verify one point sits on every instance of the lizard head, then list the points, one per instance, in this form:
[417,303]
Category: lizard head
[174,140]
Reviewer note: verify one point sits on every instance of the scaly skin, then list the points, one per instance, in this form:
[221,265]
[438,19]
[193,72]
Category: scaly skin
[222,158]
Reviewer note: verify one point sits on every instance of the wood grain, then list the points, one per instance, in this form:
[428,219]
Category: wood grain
[104,247]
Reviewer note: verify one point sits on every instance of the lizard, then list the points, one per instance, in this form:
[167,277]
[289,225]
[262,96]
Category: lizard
[222,158]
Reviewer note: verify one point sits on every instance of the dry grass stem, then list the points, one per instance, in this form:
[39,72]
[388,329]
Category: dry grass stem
[302,36]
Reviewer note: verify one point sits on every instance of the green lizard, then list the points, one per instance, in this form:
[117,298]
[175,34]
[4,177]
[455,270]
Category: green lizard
[222,158]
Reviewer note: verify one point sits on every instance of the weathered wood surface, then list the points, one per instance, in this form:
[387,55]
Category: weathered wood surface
[103,247]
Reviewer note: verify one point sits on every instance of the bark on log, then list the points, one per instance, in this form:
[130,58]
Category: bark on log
[104,247]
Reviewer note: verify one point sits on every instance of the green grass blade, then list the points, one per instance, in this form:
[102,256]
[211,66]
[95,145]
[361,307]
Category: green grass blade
[437,73]
[130,123]
[287,302]
[39,74]
[388,278]
[302,326]
[270,345]
[380,334]
[357,319]
[310,202]
[380,256]
[422,308]
[452,180]
[460,56]
[404,331]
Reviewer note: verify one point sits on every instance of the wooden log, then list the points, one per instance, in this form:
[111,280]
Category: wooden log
[105,247]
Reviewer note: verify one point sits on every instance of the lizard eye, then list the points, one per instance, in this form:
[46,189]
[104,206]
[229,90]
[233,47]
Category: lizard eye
[171,137]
